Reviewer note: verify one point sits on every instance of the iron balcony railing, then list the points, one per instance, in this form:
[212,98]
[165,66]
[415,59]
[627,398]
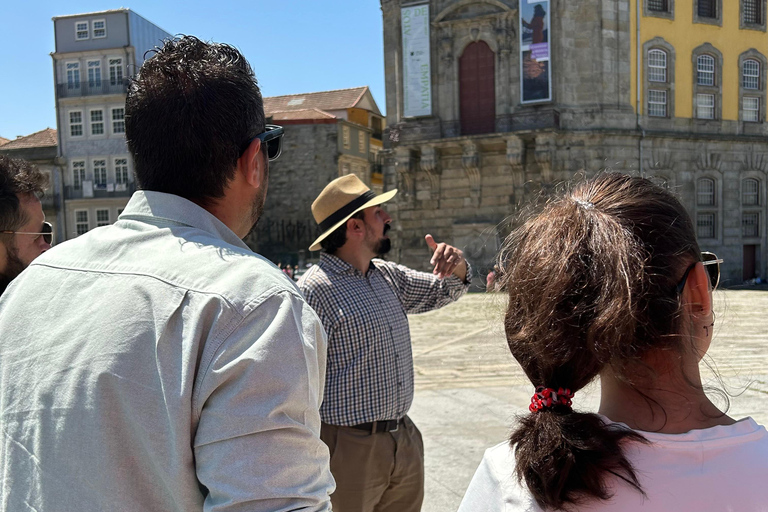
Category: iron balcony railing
[99,191]
[92,88]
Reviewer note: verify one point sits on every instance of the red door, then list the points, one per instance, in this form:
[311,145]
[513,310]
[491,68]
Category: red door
[477,92]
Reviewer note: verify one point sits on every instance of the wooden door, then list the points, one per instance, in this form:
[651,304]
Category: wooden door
[477,90]
[749,264]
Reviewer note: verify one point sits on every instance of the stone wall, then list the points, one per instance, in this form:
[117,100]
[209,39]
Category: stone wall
[308,163]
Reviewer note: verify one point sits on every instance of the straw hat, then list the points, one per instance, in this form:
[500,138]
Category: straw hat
[341,199]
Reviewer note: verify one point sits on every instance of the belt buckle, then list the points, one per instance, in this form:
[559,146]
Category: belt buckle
[397,425]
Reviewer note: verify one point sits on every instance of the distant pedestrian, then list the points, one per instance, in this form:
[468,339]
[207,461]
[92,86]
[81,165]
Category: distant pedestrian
[608,282]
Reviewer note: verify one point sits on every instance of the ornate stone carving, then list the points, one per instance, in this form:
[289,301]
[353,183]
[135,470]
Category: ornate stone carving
[543,155]
[430,164]
[659,163]
[405,165]
[709,161]
[757,162]
[470,160]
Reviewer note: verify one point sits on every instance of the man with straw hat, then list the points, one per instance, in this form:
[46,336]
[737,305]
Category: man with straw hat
[377,455]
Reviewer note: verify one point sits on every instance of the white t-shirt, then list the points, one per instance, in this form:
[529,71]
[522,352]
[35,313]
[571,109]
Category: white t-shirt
[718,469]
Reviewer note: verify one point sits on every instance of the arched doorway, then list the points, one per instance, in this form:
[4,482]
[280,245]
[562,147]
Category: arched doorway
[477,91]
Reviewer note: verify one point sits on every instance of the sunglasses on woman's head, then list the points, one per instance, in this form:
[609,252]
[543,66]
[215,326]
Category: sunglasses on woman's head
[46,231]
[711,264]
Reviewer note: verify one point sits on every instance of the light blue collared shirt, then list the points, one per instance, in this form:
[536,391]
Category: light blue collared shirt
[159,364]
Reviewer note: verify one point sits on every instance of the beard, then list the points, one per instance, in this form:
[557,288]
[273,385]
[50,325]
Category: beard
[384,245]
[257,207]
[14,266]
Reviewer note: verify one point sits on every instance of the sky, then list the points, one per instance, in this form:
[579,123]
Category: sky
[294,46]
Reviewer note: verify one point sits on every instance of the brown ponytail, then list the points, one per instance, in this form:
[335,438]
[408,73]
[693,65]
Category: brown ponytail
[591,282]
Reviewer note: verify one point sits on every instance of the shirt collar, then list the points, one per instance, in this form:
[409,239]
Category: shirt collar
[161,209]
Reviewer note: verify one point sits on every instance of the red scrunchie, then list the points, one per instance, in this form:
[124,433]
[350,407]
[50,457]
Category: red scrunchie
[548,397]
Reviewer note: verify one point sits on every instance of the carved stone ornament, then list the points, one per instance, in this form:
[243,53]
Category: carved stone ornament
[430,164]
[660,162]
[757,162]
[405,165]
[470,160]
[543,156]
[709,161]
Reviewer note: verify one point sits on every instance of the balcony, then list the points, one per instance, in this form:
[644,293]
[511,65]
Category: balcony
[82,89]
[96,191]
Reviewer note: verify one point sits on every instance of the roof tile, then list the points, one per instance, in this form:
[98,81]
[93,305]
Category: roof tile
[339,99]
[41,139]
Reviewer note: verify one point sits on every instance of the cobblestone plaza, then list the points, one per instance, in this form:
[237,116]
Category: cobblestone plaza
[469,388]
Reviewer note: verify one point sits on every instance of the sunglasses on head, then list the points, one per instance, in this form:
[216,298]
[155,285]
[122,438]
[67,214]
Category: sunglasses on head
[272,138]
[711,264]
[46,231]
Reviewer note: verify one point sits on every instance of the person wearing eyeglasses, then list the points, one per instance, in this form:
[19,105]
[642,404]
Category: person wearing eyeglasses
[608,282]
[24,234]
[175,369]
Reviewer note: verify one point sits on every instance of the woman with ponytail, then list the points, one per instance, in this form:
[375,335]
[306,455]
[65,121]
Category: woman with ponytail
[608,282]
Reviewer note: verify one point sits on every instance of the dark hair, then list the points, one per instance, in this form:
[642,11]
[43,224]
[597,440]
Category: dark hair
[338,238]
[17,177]
[591,282]
[189,112]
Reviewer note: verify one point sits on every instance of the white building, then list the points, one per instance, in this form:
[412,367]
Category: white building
[95,55]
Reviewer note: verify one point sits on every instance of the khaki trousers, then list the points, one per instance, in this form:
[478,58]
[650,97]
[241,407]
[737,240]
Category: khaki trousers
[381,472]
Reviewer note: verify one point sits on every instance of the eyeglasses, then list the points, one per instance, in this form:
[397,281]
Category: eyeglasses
[272,138]
[711,264]
[46,231]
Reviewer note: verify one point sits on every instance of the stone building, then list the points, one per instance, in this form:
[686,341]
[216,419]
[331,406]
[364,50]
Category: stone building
[41,149]
[327,134]
[491,102]
[95,55]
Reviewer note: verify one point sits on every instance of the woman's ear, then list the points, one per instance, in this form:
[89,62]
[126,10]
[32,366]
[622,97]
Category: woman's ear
[697,294]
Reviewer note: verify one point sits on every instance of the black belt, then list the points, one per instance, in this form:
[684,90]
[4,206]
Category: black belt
[376,427]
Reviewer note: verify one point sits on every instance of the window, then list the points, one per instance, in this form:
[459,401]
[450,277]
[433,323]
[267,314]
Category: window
[750,226]
[751,12]
[99,29]
[750,192]
[81,222]
[705,194]
[81,30]
[121,170]
[97,122]
[118,120]
[78,174]
[705,106]
[100,172]
[657,66]
[658,5]
[94,73]
[705,225]
[705,70]
[115,71]
[657,103]
[750,77]
[751,109]
[76,123]
[102,218]
[361,141]
[345,136]
[707,9]
[73,75]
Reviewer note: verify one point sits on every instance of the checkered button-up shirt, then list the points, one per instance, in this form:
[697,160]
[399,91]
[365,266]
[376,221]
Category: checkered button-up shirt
[369,376]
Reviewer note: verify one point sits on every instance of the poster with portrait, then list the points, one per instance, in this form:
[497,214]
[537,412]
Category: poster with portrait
[417,75]
[535,55]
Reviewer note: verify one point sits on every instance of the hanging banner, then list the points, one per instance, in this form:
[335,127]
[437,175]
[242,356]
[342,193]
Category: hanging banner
[535,55]
[417,83]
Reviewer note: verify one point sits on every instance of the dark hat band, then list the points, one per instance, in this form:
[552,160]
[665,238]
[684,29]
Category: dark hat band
[347,209]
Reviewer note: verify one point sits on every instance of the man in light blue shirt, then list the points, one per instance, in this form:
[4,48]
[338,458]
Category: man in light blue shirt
[158,364]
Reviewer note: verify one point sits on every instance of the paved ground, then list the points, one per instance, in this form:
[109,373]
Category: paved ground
[469,388]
